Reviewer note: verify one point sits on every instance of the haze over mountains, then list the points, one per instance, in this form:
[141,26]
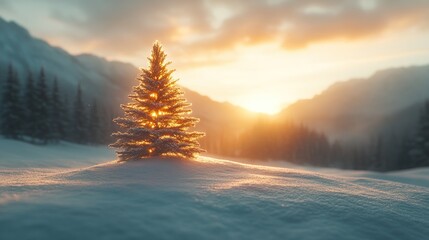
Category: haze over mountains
[387,103]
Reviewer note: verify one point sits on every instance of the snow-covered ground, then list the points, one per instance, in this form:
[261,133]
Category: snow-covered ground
[16,154]
[206,199]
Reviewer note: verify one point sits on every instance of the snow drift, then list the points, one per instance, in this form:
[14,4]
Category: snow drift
[207,199]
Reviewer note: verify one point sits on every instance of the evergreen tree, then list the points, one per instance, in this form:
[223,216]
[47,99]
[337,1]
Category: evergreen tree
[94,124]
[419,151]
[111,126]
[79,118]
[378,158]
[67,120]
[30,108]
[11,114]
[106,125]
[42,110]
[404,152]
[156,122]
[57,111]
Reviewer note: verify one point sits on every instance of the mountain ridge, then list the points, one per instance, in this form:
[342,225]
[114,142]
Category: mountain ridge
[353,108]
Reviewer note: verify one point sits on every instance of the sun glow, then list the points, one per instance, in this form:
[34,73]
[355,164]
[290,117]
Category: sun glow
[261,108]
[261,104]
[274,76]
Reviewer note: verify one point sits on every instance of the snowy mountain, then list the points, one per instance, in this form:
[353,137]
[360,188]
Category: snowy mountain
[96,75]
[109,82]
[205,199]
[359,109]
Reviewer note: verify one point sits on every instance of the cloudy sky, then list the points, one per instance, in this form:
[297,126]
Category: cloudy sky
[260,54]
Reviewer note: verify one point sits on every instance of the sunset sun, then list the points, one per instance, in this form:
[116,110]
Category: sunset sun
[261,104]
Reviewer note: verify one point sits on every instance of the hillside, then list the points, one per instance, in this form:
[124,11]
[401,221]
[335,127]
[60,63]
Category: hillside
[208,199]
[360,109]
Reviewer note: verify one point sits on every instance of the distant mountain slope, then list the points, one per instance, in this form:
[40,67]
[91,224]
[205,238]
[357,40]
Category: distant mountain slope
[28,54]
[360,108]
[108,81]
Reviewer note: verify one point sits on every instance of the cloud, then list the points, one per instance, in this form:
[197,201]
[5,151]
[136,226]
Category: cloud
[210,27]
[298,24]
[129,24]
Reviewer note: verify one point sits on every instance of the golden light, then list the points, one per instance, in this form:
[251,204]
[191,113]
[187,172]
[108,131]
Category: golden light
[153,114]
[260,104]
[292,75]
[181,32]
[154,95]
[149,124]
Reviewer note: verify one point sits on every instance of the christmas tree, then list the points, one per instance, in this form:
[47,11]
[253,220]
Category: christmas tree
[157,120]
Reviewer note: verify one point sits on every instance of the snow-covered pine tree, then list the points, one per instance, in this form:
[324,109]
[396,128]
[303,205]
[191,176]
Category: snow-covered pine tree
[11,114]
[157,121]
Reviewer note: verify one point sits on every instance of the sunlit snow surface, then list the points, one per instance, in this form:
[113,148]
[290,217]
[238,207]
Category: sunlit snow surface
[208,199]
